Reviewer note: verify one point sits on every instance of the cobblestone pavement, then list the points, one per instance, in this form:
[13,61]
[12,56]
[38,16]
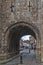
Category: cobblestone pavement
[27,59]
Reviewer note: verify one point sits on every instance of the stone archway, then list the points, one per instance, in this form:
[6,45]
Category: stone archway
[15,32]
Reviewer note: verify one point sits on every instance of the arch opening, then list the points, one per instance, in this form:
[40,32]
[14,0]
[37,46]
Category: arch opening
[14,33]
[14,37]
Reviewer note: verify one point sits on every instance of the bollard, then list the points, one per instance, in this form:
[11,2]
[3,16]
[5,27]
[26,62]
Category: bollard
[21,59]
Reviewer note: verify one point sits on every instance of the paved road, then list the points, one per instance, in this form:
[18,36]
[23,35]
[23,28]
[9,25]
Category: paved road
[27,59]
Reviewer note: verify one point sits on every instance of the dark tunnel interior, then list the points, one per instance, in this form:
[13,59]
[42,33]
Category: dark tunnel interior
[14,37]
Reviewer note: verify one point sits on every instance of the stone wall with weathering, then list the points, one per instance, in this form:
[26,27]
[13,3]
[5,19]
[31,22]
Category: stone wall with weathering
[20,13]
[0,24]
[41,20]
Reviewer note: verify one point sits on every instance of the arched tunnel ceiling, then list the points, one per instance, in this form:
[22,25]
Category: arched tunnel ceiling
[22,30]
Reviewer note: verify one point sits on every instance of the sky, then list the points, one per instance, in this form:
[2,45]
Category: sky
[26,37]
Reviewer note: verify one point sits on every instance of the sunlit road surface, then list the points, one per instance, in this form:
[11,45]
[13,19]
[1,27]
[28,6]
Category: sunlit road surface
[27,59]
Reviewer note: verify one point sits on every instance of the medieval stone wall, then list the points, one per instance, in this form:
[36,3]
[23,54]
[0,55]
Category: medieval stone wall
[21,13]
[41,20]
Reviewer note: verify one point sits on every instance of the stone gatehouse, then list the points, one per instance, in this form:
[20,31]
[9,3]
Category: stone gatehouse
[17,18]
